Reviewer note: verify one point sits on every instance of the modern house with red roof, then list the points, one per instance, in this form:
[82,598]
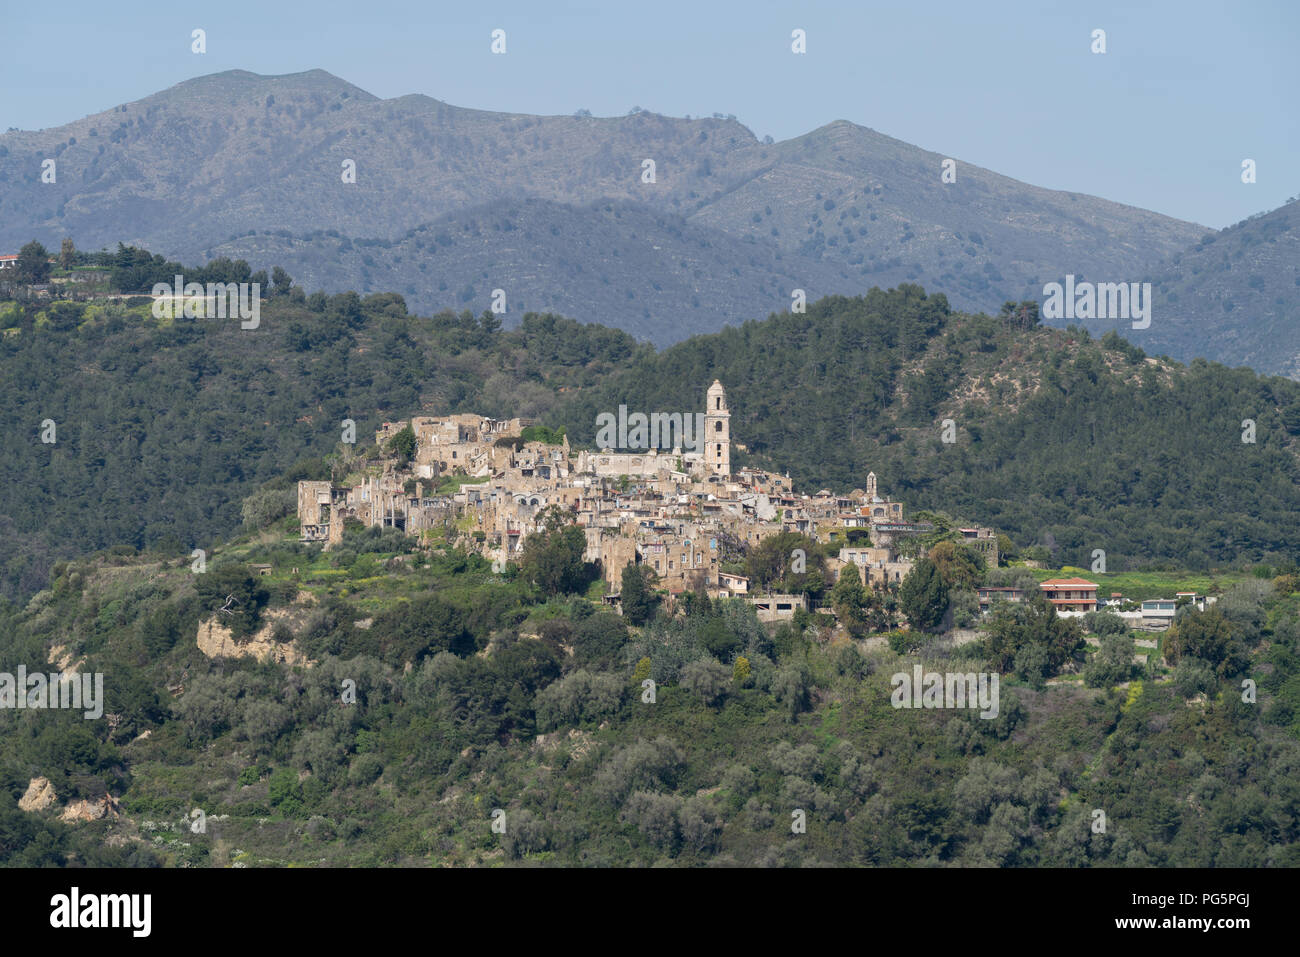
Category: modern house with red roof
[1071,596]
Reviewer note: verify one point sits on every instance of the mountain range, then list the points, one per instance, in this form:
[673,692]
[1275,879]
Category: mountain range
[566,214]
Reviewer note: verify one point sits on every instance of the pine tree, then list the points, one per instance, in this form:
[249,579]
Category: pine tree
[849,600]
[923,596]
[33,263]
[636,597]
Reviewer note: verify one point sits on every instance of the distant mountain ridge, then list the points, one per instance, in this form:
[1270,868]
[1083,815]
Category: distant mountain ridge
[672,277]
[228,163]
[1235,297]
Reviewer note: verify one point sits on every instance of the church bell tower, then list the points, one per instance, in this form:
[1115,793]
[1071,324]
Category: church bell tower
[717,432]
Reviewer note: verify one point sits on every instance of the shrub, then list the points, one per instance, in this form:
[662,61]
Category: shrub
[579,698]
[1104,623]
[740,671]
[707,679]
[1113,662]
[655,816]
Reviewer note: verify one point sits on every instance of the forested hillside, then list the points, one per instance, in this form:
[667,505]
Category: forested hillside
[1059,440]
[440,695]
[163,427]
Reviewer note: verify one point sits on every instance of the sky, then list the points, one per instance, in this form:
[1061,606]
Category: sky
[1185,92]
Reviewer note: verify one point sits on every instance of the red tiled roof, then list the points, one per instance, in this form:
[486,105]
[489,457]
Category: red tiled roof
[1068,583]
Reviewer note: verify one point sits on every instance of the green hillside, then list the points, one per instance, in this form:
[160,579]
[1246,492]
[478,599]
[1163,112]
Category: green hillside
[164,427]
[439,693]
[1059,440]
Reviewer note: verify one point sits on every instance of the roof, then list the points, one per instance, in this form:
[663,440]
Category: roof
[1070,582]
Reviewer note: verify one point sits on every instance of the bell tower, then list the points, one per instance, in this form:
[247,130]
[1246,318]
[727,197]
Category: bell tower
[717,431]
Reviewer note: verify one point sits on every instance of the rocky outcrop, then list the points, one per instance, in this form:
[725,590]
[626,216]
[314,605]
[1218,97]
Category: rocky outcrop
[91,810]
[63,658]
[216,641]
[39,795]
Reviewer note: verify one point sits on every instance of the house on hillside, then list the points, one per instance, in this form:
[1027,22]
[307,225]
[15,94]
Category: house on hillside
[988,594]
[1070,596]
[1158,613]
[777,607]
[733,584]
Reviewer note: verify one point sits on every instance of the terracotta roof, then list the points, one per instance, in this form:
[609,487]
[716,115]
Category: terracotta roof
[1068,582]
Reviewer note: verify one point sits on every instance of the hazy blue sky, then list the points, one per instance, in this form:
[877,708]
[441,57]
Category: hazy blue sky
[1162,120]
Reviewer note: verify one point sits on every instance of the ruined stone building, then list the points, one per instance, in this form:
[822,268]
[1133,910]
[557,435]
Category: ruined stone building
[666,510]
[463,443]
[707,457]
[377,500]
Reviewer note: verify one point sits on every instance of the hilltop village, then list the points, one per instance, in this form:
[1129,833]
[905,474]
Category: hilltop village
[673,511]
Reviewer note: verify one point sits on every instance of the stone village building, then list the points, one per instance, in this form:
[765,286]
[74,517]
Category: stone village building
[666,510]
